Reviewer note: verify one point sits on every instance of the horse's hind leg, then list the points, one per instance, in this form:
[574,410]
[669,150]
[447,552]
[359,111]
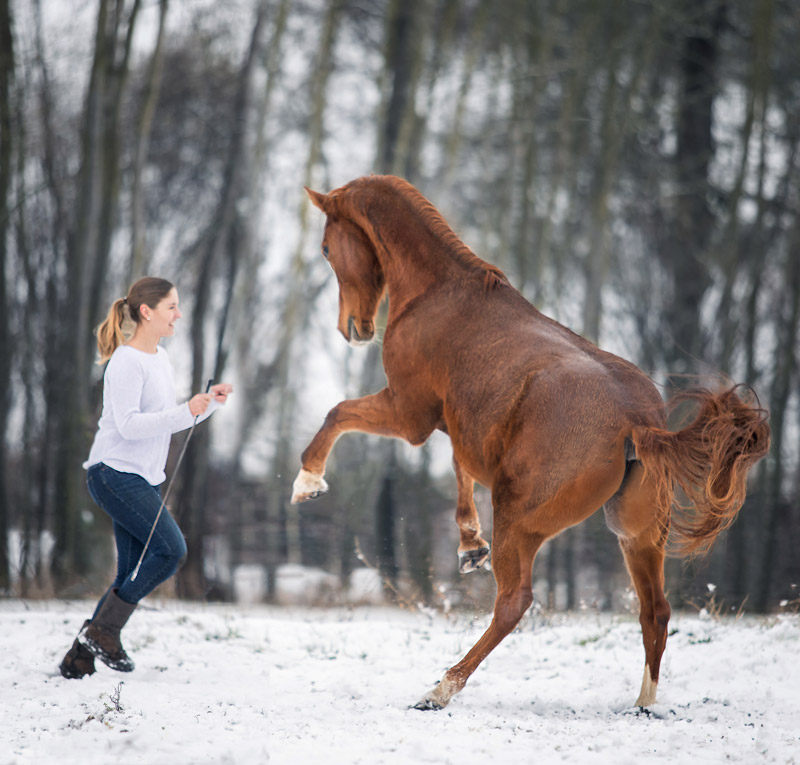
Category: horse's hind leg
[635,516]
[646,565]
[473,550]
[514,554]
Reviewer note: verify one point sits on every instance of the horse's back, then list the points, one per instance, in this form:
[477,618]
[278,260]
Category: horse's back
[503,348]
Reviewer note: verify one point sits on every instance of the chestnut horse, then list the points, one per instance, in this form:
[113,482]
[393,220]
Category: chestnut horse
[554,426]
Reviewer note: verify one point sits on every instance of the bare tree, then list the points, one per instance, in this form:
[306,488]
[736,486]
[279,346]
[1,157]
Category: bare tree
[139,251]
[783,385]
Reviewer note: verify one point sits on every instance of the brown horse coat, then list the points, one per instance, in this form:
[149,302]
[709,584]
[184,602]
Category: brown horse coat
[554,426]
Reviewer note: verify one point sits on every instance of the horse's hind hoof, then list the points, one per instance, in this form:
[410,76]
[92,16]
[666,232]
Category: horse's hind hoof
[307,486]
[439,697]
[471,560]
[428,705]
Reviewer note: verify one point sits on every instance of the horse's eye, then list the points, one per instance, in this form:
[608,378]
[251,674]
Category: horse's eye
[325,250]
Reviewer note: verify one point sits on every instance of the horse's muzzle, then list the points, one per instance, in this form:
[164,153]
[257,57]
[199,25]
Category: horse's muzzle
[359,333]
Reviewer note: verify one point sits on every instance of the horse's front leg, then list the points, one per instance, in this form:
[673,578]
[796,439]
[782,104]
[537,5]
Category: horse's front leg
[377,414]
[473,550]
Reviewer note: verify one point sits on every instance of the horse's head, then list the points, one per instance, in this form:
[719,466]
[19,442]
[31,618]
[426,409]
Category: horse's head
[360,276]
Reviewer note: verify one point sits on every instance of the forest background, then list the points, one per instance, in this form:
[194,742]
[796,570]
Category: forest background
[632,165]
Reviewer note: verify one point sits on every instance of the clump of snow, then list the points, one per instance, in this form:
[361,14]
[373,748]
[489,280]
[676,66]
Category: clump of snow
[366,587]
[249,583]
[233,684]
[303,585]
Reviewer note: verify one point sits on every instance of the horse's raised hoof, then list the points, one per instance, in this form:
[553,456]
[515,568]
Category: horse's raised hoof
[472,560]
[307,486]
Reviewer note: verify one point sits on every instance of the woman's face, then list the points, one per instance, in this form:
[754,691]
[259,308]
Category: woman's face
[165,314]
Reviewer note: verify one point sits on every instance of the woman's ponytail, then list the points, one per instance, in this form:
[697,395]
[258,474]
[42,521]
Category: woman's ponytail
[109,333]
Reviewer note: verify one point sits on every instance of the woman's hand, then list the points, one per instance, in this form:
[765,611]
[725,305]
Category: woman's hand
[221,391]
[199,403]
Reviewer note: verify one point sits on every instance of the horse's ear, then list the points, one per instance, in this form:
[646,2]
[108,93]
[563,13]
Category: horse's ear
[317,199]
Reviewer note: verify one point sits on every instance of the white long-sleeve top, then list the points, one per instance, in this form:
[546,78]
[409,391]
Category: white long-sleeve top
[140,414]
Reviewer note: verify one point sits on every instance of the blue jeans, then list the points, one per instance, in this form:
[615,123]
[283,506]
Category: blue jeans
[133,504]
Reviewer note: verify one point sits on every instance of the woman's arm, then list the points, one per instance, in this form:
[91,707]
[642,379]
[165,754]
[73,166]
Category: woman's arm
[124,387]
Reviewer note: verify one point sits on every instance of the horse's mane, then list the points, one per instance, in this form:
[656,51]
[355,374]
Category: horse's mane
[432,219]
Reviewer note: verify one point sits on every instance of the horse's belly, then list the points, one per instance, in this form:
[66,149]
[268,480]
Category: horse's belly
[469,447]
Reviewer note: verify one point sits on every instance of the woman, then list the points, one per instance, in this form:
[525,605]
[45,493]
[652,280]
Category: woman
[127,459]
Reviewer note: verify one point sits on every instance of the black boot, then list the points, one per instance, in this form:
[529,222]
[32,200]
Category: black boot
[79,660]
[101,637]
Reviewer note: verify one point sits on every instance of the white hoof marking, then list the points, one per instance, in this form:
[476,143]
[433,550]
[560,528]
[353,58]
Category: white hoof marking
[647,696]
[307,485]
[440,696]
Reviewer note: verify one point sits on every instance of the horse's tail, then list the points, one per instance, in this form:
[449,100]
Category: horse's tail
[708,459]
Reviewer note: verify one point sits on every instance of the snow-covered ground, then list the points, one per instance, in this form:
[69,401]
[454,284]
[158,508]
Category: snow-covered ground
[227,684]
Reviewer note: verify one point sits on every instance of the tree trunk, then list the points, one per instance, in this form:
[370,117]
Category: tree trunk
[616,119]
[403,46]
[477,30]
[788,327]
[730,254]
[567,151]
[692,221]
[6,154]
[53,307]
[29,499]
[535,49]
[258,377]
[140,256]
[385,514]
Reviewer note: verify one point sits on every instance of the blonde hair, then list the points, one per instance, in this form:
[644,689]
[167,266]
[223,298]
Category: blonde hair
[149,291]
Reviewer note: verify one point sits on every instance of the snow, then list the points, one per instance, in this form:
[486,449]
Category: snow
[256,684]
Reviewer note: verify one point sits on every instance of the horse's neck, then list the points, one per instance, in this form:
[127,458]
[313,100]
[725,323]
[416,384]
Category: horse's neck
[411,262]
[404,284]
